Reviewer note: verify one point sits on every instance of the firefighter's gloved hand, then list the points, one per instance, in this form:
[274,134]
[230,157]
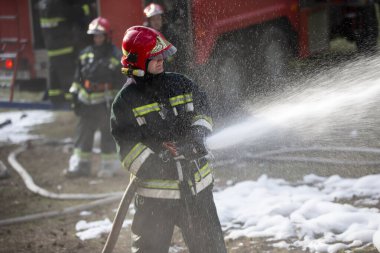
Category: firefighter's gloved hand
[188,151]
[171,147]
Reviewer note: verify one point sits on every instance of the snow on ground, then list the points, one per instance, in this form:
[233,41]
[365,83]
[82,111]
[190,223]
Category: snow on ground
[310,214]
[313,213]
[21,122]
[89,230]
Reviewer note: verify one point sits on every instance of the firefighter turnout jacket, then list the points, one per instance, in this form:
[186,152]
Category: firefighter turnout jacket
[62,23]
[97,77]
[154,109]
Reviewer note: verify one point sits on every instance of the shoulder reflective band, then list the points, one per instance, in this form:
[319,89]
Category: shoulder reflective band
[146,109]
[86,9]
[203,120]
[181,99]
[50,22]
[61,51]
[136,157]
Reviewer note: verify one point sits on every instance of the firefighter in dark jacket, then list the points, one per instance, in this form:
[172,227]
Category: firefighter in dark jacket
[159,121]
[58,21]
[96,82]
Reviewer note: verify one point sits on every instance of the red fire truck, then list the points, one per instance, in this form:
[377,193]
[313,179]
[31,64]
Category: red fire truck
[229,45]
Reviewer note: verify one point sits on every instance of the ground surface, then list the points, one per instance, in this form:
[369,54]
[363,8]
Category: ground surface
[45,162]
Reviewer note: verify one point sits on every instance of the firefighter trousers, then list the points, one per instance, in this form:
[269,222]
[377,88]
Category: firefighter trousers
[154,221]
[92,118]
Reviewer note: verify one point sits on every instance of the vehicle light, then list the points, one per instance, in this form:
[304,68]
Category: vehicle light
[9,64]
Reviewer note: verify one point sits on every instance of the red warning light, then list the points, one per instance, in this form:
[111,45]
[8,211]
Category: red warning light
[9,64]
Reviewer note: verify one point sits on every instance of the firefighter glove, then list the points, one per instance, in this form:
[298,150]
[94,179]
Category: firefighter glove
[189,151]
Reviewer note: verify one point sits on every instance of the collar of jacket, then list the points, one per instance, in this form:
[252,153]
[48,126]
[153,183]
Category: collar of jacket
[102,50]
[149,80]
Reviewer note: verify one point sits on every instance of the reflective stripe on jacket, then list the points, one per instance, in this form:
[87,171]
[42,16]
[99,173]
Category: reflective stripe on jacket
[60,51]
[95,69]
[51,22]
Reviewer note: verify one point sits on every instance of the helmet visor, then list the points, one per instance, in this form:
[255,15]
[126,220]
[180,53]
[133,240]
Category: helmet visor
[165,54]
[96,32]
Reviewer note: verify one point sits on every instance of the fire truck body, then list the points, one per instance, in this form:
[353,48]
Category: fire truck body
[17,44]
[256,37]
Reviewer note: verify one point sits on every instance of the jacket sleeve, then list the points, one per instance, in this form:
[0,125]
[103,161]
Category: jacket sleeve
[201,119]
[198,122]
[136,156]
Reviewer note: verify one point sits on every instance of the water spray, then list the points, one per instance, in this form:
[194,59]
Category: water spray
[342,96]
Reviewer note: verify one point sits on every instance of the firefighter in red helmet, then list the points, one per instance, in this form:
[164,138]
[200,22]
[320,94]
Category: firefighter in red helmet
[96,82]
[159,121]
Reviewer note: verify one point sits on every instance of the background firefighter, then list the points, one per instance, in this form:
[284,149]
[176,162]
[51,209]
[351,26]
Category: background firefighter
[155,18]
[61,21]
[96,82]
[158,118]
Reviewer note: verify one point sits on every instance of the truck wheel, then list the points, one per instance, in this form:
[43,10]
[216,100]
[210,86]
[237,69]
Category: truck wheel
[366,40]
[226,77]
[273,55]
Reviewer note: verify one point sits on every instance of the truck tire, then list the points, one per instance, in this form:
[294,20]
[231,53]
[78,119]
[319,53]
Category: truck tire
[273,54]
[225,77]
[366,40]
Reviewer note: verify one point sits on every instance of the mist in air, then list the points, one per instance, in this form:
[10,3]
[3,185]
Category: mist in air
[340,101]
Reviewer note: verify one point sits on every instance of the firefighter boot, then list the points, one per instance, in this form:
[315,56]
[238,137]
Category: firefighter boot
[109,168]
[78,167]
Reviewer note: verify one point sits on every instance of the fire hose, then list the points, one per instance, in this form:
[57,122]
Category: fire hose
[120,216]
[28,180]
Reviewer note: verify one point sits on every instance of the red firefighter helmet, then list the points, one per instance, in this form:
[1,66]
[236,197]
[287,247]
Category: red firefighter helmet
[141,43]
[99,25]
[153,9]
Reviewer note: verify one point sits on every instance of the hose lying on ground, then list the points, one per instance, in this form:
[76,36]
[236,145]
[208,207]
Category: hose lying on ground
[116,196]
[64,211]
[28,180]
[103,198]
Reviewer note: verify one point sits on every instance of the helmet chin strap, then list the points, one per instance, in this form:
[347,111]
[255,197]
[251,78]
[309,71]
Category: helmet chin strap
[132,72]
